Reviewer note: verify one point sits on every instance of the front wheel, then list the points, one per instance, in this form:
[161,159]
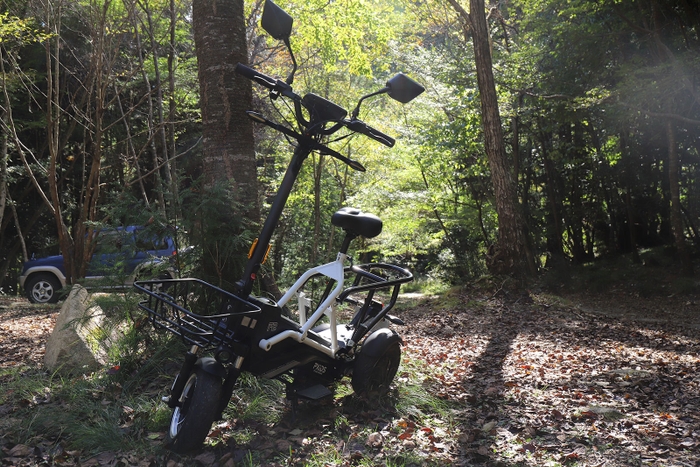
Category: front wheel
[196,410]
[377,363]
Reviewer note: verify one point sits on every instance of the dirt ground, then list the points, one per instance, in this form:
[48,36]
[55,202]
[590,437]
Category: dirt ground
[540,379]
[24,329]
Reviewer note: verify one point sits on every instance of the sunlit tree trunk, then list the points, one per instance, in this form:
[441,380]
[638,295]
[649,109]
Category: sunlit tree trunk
[161,158]
[511,254]
[151,112]
[53,112]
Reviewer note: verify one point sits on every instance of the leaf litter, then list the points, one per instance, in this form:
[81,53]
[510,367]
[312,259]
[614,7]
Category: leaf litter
[526,378]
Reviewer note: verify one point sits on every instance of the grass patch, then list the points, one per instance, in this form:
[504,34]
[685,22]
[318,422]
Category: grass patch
[119,409]
[426,286]
[257,399]
[20,384]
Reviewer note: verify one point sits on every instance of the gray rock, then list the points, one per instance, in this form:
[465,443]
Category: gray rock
[76,344]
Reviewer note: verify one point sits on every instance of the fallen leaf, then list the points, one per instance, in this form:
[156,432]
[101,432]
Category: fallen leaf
[488,426]
[20,450]
[375,440]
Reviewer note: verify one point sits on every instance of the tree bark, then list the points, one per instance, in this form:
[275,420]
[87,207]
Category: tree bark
[65,241]
[676,214]
[220,39]
[511,254]
[172,111]
[3,159]
[227,132]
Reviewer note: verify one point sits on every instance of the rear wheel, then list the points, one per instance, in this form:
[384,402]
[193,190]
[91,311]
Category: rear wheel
[43,288]
[197,409]
[377,364]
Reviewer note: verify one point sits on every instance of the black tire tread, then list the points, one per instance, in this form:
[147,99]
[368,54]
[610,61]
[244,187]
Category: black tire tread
[201,413]
[372,375]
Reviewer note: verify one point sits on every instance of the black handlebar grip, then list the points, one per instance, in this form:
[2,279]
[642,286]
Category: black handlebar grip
[254,75]
[381,137]
[361,127]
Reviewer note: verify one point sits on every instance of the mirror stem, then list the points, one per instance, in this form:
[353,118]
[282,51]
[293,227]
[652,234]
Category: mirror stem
[290,78]
[356,111]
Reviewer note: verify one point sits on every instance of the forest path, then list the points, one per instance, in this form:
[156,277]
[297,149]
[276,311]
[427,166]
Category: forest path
[530,378]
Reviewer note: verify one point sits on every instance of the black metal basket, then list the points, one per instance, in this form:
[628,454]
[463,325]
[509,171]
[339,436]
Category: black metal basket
[195,310]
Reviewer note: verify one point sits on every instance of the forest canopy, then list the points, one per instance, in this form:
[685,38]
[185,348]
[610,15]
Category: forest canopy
[599,104]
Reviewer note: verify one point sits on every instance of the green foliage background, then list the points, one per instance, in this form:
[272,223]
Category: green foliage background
[586,92]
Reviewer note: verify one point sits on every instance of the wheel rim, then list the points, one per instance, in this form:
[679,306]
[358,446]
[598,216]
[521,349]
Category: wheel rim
[180,412]
[42,291]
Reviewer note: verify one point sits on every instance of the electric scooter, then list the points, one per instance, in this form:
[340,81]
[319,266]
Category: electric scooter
[306,346]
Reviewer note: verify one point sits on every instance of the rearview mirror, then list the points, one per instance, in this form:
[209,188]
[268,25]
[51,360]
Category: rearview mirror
[403,89]
[400,88]
[276,21]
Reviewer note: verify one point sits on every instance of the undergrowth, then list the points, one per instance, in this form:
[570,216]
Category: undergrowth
[654,272]
[118,408]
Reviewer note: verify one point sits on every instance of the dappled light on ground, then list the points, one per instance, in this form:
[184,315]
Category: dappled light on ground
[548,384]
[493,378]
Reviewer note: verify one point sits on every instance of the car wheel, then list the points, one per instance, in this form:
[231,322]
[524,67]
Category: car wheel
[43,288]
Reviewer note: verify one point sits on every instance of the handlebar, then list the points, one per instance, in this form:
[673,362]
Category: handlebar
[314,104]
[361,127]
[254,75]
[273,84]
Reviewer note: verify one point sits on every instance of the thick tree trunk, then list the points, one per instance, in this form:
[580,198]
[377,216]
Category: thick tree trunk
[227,132]
[220,39]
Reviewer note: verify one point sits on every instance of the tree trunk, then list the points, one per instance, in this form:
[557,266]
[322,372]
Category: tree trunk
[229,155]
[676,215]
[160,126]
[172,110]
[53,112]
[555,230]
[3,162]
[318,173]
[151,117]
[511,254]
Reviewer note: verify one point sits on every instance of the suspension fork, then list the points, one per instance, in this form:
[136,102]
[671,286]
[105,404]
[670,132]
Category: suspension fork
[182,377]
[232,375]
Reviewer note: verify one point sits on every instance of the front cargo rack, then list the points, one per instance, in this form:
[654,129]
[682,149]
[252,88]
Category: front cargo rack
[195,310]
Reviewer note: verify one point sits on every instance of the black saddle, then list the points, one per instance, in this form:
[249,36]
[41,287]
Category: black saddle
[357,222]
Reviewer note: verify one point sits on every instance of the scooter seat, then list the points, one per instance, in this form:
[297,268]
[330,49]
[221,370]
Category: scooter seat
[357,222]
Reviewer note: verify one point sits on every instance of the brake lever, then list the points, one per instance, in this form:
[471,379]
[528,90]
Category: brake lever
[321,148]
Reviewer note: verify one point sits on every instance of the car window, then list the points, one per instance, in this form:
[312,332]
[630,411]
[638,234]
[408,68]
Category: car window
[109,241]
[146,243]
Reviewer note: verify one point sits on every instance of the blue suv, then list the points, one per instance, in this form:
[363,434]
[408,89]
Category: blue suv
[121,255]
